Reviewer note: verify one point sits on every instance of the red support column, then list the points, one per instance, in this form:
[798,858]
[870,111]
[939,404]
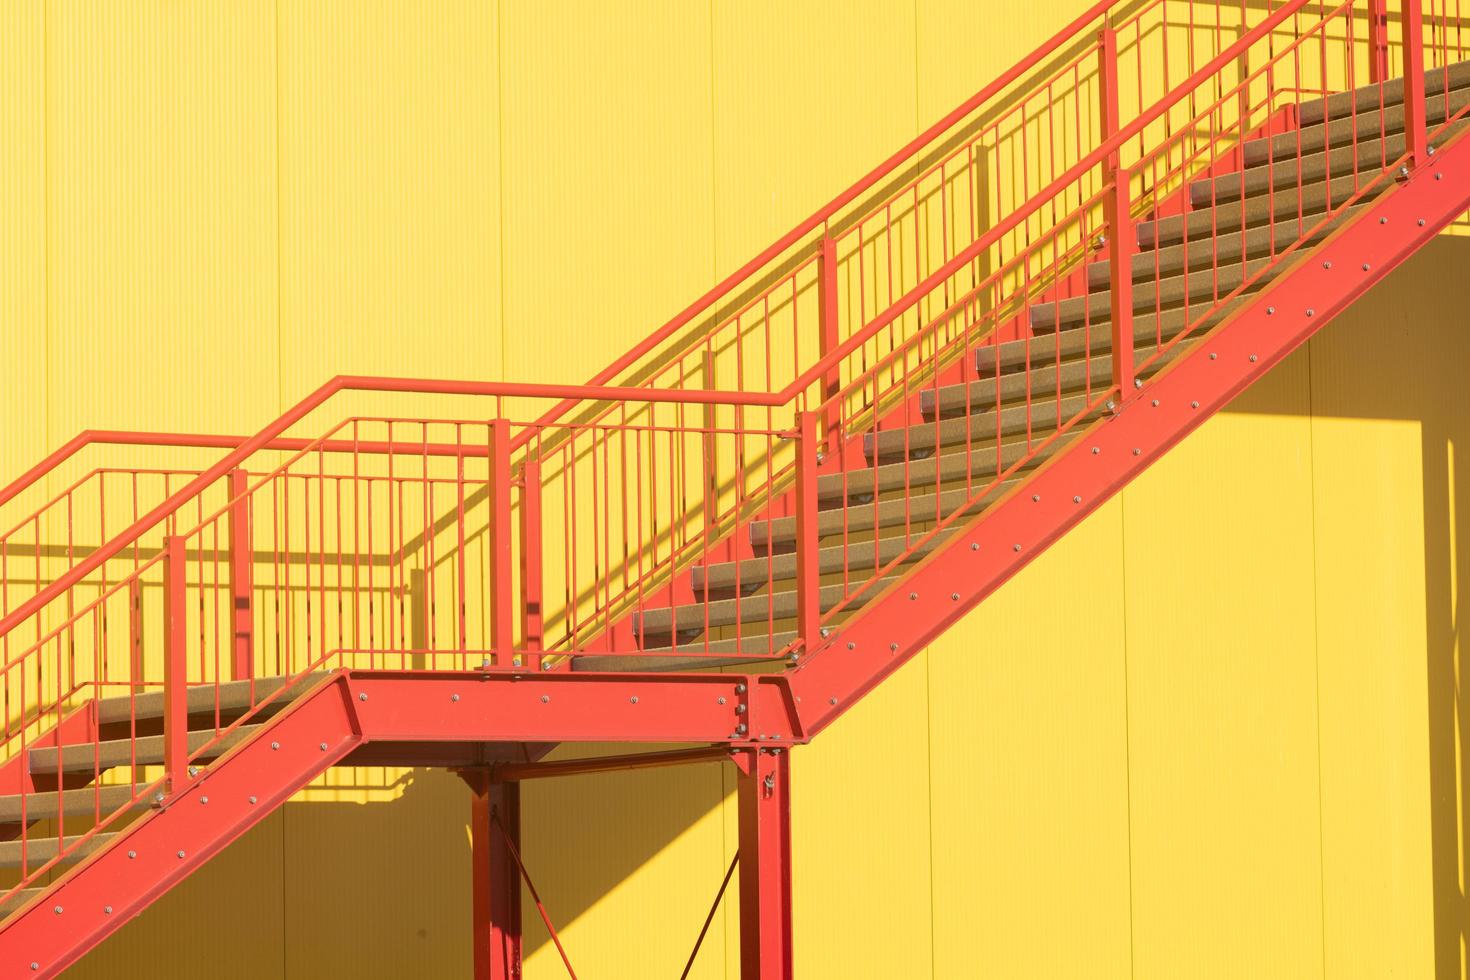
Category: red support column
[1377,41]
[532,615]
[242,658]
[175,666]
[497,885]
[764,789]
[828,340]
[1121,233]
[808,543]
[502,639]
[1414,130]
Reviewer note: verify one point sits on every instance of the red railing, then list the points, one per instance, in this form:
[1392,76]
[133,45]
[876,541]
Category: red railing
[765,463]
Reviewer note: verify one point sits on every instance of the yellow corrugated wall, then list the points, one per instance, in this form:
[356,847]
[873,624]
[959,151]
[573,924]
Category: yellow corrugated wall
[1216,732]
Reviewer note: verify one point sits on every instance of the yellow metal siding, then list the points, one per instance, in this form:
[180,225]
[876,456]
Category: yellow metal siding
[1238,752]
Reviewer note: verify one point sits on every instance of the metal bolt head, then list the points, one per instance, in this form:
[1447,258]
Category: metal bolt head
[1076,500]
[545,698]
[954,597]
[1138,382]
[1365,267]
[545,665]
[107,910]
[633,699]
[1111,405]
[1155,403]
[1137,451]
[739,688]
[1036,498]
[1326,265]
[132,855]
[1383,221]
[57,910]
[1270,311]
[362,696]
[1421,222]
[1439,176]
[252,801]
[851,645]
[1429,150]
[720,699]
[893,647]
[203,801]
[323,746]
[832,701]
[193,770]
[454,697]
[825,631]
[1015,547]
[1095,450]
[1213,355]
[181,855]
[275,746]
[740,729]
[1311,312]
[1253,358]
[1403,171]
[1194,404]
[35,966]
[740,709]
[974,545]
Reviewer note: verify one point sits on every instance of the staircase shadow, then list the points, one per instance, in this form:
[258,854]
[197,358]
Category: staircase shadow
[1399,354]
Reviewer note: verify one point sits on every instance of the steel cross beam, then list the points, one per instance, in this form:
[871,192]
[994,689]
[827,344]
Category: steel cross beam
[415,713]
[1110,453]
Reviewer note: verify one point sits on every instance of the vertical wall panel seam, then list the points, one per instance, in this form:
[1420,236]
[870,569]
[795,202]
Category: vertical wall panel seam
[280,231]
[280,407]
[725,778]
[500,179]
[1316,656]
[925,660]
[46,209]
[1127,733]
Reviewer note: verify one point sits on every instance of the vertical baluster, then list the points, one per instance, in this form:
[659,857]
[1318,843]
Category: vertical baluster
[1117,216]
[1414,130]
[829,340]
[1378,40]
[532,614]
[501,635]
[242,661]
[808,584]
[175,667]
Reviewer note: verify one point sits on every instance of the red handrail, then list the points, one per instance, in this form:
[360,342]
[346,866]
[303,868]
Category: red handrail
[570,394]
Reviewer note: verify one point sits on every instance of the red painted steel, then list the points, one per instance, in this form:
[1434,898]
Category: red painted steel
[175,665]
[458,572]
[764,791]
[1377,15]
[496,883]
[242,665]
[1415,135]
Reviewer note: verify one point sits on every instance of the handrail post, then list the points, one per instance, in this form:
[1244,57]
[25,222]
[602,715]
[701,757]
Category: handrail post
[1377,41]
[808,559]
[828,340]
[1415,137]
[532,612]
[175,666]
[1122,234]
[242,661]
[502,639]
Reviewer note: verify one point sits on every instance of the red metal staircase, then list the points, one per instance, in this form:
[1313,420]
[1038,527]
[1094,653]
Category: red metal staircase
[729,536]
